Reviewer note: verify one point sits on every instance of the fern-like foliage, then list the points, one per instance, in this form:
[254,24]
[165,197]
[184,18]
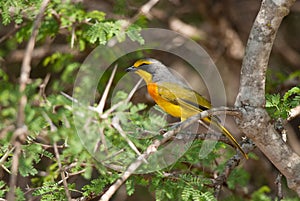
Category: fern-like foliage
[278,106]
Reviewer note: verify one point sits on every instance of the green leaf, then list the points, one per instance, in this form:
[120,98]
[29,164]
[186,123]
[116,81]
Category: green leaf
[260,194]
[95,187]
[275,99]
[238,177]
[88,172]
[187,193]
[30,156]
[50,191]
[280,107]
[19,194]
[292,91]
[208,196]
[3,189]
[130,186]
[133,32]
[97,15]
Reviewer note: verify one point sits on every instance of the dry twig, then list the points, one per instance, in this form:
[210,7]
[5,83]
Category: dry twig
[117,126]
[62,173]
[4,157]
[232,163]
[114,107]
[42,86]
[145,9]
[102,101]
[279,186]
[294,113]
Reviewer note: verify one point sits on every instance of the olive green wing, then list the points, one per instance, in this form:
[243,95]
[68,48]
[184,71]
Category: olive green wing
[182,96]
[191,100]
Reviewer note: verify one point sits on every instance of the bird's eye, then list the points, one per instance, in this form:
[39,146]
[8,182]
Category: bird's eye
[140,63]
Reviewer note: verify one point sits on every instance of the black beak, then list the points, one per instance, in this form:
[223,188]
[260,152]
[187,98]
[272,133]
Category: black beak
[131,69]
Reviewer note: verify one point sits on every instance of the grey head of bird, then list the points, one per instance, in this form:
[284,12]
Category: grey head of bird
[158,71]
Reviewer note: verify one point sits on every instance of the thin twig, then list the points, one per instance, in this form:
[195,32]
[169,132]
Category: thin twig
[6,154]
[91,108]
[280,128]
[43,86]
[28,189]
[14,171]
[294,113]
[145,9]
[53,128]
[117,126]
[154,146]
[10,33]
[134,90]
[77,173]
[42,51]
[5,130]
[115,106]
[213,136]
[279,186]
[62,173]
[66,121]
[47,146]
[230,165]
[5,168]
[73,36]
[113,155]
[101,139]
[110,110]
[102,101]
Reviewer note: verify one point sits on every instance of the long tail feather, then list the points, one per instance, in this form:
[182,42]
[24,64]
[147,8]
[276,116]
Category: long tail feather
[227,134]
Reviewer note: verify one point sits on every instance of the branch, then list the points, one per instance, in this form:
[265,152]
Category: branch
[145,9]
[117,126]
[62,173]
[154,146]
[251,97]
[231,164]
[279,186]
[10,33]
[102,101]
[294,113]
[25,68]
[14,171]
[186,29]
[21,130]
[42,51]
[104,115]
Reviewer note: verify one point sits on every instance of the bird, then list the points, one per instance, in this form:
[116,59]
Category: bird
[174,96]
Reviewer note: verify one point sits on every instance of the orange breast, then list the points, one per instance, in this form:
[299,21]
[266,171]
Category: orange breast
[167,106]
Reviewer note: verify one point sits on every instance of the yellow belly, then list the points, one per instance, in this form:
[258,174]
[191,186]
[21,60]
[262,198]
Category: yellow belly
[169,107]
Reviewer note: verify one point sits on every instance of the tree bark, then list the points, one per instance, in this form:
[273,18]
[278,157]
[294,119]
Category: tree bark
[251,97]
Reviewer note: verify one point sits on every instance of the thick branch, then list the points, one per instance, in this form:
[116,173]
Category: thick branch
[259,47]
[251,98]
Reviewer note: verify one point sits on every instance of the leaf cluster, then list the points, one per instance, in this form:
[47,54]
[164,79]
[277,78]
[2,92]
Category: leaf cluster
[280,106]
